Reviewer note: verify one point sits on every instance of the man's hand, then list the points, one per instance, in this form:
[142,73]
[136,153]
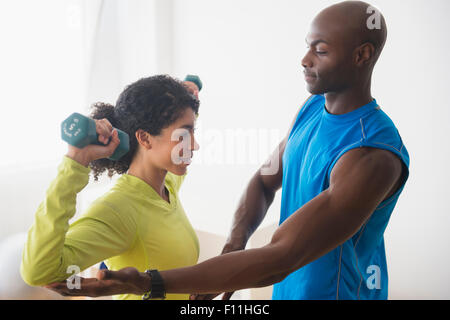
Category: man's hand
[125,281]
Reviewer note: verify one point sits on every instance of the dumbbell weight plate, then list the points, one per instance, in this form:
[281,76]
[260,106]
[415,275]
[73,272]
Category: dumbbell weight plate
[80,131]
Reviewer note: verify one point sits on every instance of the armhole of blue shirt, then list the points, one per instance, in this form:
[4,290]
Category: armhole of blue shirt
[375,145]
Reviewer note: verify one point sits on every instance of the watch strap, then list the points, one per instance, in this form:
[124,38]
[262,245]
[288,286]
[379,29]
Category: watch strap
[157,289]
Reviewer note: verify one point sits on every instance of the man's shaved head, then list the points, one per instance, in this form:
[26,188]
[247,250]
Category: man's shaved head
[349,22]
[345,40]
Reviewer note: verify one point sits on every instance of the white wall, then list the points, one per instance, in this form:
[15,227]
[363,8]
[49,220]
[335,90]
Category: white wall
[41,81]
[248,55]
[412,80]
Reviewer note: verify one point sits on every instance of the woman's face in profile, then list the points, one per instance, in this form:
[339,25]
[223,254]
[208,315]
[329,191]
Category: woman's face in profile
[173,149]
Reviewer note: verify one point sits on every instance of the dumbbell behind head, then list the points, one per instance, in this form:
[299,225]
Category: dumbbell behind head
[195,79]
[80,131]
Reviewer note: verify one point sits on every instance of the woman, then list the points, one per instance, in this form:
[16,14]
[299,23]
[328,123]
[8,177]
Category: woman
[140,221]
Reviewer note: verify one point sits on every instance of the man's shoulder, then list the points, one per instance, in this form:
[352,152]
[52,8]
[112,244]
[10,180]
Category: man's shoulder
[316,100]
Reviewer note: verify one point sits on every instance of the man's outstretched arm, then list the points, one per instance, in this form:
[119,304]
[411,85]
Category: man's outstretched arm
[359,182]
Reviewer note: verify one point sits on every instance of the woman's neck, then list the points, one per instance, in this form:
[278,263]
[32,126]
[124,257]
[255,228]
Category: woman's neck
[153,176]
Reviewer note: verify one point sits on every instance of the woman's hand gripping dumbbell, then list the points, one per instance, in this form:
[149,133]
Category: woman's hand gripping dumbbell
[108,139]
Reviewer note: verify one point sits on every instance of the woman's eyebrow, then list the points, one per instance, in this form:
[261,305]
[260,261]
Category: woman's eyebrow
[187,126]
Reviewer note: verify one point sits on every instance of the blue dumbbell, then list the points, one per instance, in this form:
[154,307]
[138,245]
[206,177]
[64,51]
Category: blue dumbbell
[194,79]
[80,131]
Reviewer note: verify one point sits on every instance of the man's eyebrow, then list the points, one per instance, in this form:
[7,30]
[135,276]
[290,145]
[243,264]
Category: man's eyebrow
[316,42]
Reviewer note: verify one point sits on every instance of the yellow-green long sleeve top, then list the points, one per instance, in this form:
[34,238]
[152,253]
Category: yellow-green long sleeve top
[130,225]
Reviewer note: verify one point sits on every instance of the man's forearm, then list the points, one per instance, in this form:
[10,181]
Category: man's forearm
[229,272]
[251,211]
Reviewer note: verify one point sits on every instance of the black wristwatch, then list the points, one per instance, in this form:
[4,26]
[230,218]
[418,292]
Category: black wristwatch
[157,290]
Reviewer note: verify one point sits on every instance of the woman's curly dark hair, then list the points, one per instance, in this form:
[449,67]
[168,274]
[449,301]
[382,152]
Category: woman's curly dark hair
[150,104]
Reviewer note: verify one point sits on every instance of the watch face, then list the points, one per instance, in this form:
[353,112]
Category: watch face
[146,296]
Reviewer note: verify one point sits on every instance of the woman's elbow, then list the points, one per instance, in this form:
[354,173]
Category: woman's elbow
[35,276]
[30,277]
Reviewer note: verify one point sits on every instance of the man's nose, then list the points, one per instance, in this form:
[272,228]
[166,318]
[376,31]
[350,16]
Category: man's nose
[306,61]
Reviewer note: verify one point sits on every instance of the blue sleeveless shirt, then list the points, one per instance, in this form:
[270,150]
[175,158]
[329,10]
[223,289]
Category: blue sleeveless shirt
[356,269]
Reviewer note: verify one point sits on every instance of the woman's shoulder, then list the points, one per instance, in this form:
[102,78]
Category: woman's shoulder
[112,205]
[113,199]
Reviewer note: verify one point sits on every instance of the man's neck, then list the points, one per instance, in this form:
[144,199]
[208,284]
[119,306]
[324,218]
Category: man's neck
[339,103]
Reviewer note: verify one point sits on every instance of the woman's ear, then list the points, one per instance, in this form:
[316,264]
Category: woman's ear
[143,138]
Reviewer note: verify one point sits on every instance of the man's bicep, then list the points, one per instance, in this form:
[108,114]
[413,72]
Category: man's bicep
[362,178]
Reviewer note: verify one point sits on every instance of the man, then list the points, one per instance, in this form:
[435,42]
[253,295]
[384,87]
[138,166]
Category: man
[344,166]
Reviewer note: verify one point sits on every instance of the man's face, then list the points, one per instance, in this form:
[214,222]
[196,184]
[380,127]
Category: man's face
[328,63]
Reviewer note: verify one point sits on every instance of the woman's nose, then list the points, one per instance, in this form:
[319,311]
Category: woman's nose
[196,145]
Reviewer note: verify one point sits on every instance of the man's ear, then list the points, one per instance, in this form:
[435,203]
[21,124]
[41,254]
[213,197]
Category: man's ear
[364,54]
[144,139]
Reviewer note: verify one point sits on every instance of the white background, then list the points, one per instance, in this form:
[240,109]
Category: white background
[58,57]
